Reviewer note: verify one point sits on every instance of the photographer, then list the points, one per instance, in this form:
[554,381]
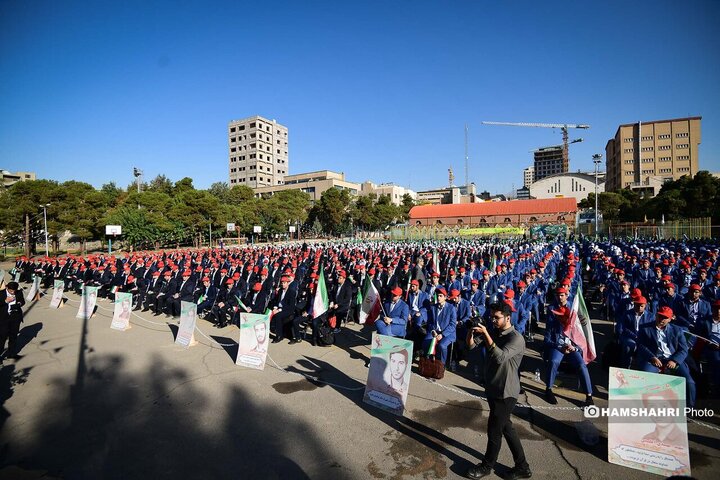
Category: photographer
[11,316]
[505,349]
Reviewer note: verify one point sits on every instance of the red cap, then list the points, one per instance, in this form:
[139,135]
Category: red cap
[435,274]
[454,293]
[474,282]
[640,300]
[186,273]
[561,290]
[397,291]
[509,303]
[665,312]
[415,282]
[695,286]
[541,264]
[206,279]
[168,273]
[342,273]
[257,287]
[229,281]
[131,279]
[285,278]
[670,285]
[441,291]
[155,273]
[509,294]
[521,284]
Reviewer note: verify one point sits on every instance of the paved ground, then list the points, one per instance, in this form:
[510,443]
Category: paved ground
[85,401]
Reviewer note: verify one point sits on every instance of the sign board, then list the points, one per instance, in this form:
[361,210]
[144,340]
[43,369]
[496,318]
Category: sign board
[113,230]
[254,340]
[121,314]
[188,319]
[257,229]
[87,302]
[291,228]
[230,227]
[653,437]
[59,287]
[389,373]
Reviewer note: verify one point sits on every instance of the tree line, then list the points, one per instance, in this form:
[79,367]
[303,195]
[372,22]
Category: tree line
[687,197]
[166,214]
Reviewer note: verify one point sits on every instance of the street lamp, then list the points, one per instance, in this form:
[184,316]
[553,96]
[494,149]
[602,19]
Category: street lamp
[44,207]
[597,158]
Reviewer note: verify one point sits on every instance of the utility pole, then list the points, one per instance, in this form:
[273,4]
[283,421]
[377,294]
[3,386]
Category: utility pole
[44,207]
[467,174]
[597,158]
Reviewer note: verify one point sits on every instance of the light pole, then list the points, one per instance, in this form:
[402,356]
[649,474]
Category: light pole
[44,207]
[597,158]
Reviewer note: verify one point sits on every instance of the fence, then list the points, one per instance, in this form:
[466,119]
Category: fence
[440,232]
[690,228]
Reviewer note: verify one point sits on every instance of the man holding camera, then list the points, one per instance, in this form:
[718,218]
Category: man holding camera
[505,349]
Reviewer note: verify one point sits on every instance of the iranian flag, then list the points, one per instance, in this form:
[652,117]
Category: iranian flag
[321,302]
[435,262]
[371,305]
[582,328]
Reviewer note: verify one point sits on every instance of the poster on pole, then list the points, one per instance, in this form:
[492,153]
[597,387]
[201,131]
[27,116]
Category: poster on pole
[254,339]
[35,288]
[57,297]
[230,227]
[188,319]
[121,314]
[2,279]
[389,373]
[647,422]
[87,302]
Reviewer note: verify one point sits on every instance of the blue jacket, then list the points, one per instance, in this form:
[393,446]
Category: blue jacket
[684,319]
[626,323]
[443,321]
[648,342]
[399,314]
[423,304]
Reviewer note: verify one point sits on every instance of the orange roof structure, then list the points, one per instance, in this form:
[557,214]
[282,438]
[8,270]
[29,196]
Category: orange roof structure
[512,207]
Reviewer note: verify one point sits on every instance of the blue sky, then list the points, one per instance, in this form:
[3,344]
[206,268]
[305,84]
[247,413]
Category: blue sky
[378,90]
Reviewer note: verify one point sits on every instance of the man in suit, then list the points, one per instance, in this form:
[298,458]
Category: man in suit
[397,314]
[283,309]
[442,324]
[11,316]
[630,324]
[662,349]
[559,345]
[693,310]
[205,296]
[340,298]
[184,293]
[710,329]
[256,300]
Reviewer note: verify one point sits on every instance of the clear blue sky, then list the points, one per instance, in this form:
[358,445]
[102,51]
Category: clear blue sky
[378,90]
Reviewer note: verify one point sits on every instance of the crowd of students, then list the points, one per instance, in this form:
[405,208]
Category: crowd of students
[663,297]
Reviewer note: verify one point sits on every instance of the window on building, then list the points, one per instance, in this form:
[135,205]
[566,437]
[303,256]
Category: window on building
[663,136]
[646,138]
[252,125]
[682,135]
[664,147]
[683,145]
[683,157]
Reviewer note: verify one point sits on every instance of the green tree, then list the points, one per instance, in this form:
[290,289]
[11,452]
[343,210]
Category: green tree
[333,210]
[161,184]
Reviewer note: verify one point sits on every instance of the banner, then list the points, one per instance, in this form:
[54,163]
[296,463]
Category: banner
[188,319]
[57,297]
[492,231]
[389,373]
[548,230]
[654,437]
[87,302]
[35,289]
[2,279]
[123,310]
[254,340]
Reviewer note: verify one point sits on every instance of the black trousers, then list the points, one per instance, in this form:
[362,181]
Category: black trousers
[9,331]
[500,425]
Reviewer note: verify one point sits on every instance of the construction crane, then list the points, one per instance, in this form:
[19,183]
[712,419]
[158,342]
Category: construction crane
[451,177]
[562,126]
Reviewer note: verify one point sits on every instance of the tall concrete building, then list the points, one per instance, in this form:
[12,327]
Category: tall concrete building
[258,152]
[9,179]
[549,161]
[644,155]
[528,176]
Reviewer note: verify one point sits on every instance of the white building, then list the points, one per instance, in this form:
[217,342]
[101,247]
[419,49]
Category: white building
[571,184]
[258,152]
[396,192]
[528,175]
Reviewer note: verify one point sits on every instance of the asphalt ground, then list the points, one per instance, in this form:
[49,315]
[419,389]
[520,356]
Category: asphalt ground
[88,402]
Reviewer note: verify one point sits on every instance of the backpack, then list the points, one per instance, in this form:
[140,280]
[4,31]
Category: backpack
[326,335]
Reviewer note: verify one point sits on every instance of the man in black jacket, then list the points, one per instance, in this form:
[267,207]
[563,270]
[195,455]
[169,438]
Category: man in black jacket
[11,316]
[283,308]
[340,296]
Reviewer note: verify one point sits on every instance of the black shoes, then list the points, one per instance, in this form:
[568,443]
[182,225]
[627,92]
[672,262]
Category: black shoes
[479,471]
[589,401]
[294,341]
[518,472]
[276,340]
[550,397]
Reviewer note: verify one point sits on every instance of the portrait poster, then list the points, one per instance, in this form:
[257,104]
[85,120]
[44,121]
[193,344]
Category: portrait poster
[655,439]
[389,373]
[254,340]
[57,297]
[87,302]
[35,288]
[122,312]
[188,319]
